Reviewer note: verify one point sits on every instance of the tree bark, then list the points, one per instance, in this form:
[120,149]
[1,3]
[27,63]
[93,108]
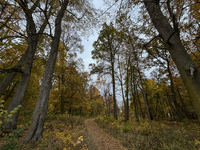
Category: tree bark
[135,103]
[114,97]
[10,76]
[36,129]
[187,68]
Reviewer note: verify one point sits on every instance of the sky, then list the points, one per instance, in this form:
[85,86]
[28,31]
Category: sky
[87,43]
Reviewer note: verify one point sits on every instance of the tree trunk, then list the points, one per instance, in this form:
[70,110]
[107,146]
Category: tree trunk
[133,91]
[10,76]
[149,103]
[177,106]
[144,96]
[135,103]
[21,89]
[11,91]
[36,129]
[127,89]
[142,113]
[174,112]
[33,39]
[114,97]
[121,84]
[187,68]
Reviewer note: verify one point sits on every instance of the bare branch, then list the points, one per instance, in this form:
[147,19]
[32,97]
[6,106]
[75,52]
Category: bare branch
[14,30]
[7,37]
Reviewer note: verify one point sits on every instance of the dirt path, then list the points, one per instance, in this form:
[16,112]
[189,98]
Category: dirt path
[102,140]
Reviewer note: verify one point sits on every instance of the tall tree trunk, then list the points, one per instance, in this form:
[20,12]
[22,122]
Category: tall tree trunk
[142,113]
[127,89]
[36,129]
[21,89]
[184,107]
[33,39]
[122,89]
[149,102]
[114,97]
[135,103]
[187,68]
[177,106]
[173,110]
[133,91]
[144,96]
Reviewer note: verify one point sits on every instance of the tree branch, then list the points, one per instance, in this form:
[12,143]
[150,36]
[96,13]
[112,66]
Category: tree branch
[6,71]
[15,31]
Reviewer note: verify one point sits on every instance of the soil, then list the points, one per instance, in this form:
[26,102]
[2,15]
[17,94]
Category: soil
[102,140]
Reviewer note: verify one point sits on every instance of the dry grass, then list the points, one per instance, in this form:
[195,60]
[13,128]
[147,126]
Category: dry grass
[165,136]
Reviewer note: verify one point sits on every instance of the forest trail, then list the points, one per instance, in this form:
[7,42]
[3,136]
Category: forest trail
[102,140]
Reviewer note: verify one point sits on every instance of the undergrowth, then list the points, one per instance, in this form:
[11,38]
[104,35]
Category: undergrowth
[165,135]
[61,132]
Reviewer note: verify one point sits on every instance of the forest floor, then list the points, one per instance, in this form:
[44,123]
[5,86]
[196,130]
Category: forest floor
[63,132]
[102,140]
[66,132]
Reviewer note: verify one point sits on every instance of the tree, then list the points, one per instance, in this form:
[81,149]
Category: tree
[39,115]
[36,128]
[32,39]
[105,50]
[170,35]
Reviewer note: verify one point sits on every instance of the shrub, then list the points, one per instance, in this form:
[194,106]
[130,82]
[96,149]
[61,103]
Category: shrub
[126,127]
[11,137]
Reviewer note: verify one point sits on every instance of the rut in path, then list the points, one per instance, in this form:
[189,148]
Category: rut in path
[102,140]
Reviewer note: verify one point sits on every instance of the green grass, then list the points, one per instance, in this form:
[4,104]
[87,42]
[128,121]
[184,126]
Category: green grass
[165,136]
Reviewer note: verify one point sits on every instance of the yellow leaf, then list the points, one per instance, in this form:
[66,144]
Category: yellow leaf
[10,116]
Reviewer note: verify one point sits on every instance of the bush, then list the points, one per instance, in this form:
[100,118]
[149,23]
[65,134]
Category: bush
[126,127]
[109,118]
[11,137]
